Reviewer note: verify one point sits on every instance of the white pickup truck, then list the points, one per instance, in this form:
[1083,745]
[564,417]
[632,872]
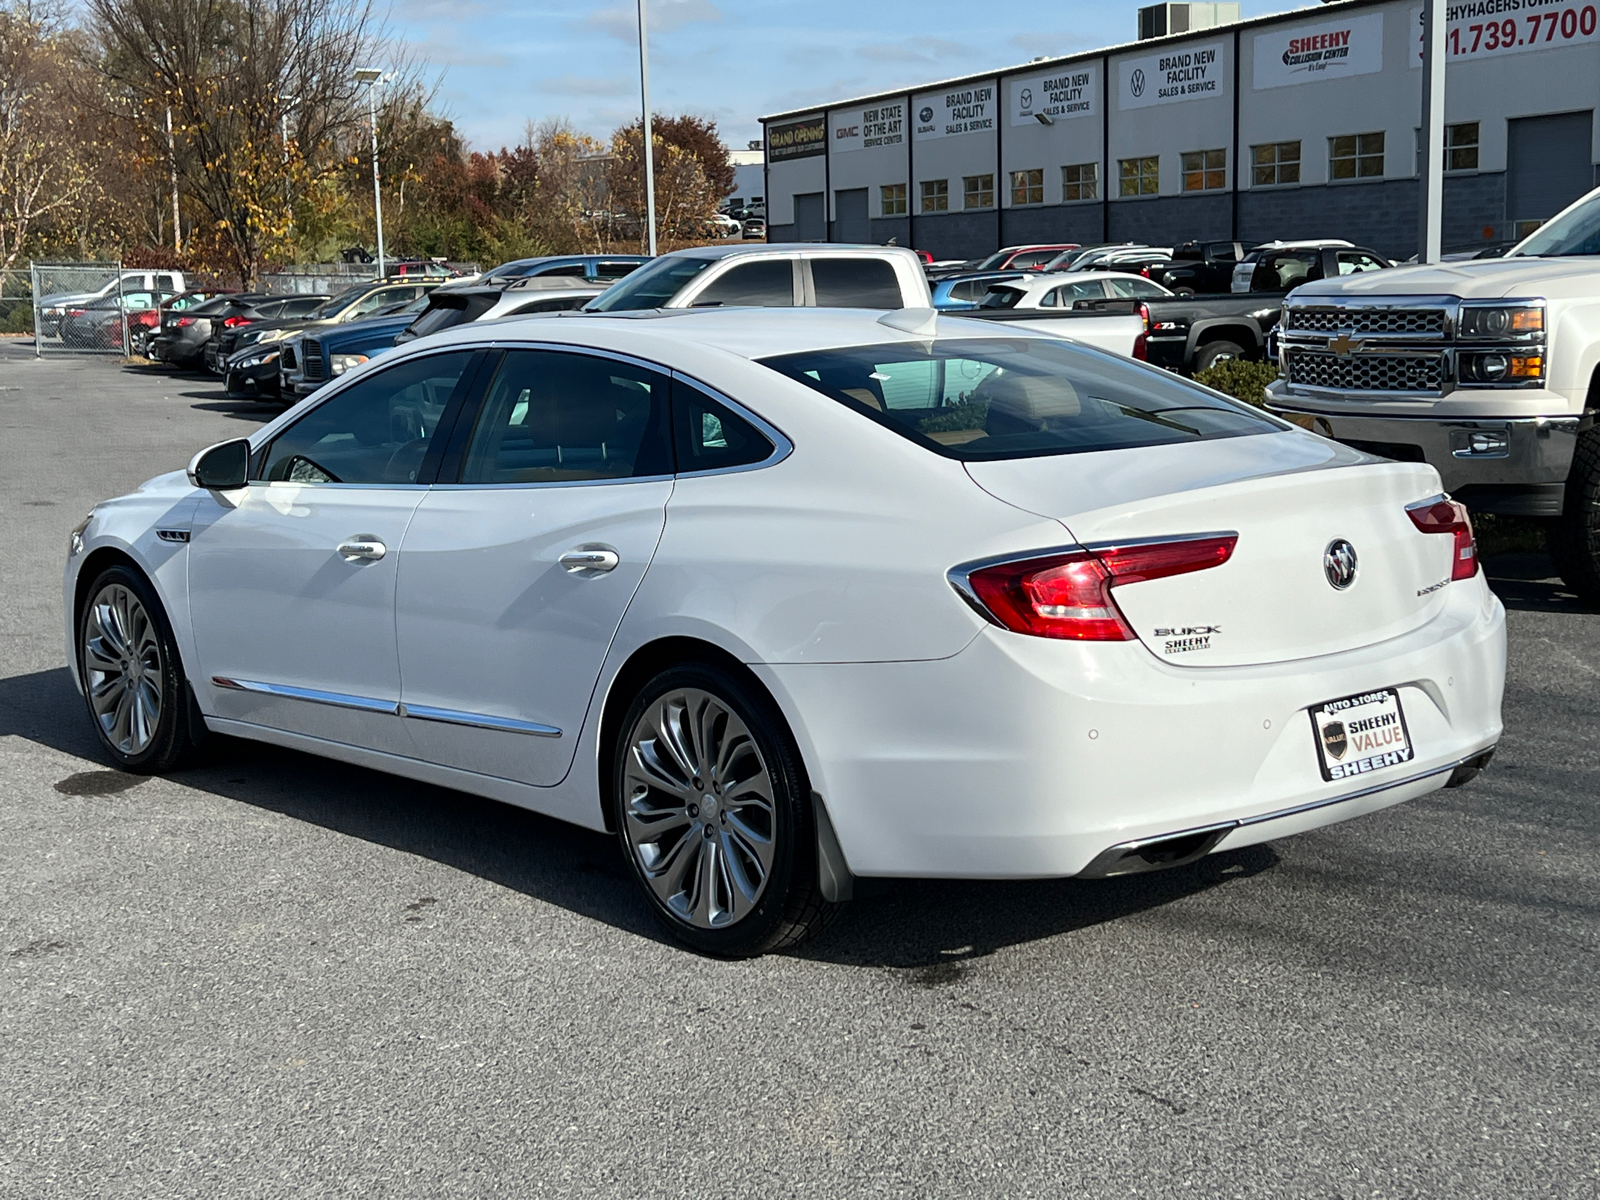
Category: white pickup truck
[1487,369]
[827,275]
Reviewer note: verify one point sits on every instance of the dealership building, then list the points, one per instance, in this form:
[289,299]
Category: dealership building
[1300,125]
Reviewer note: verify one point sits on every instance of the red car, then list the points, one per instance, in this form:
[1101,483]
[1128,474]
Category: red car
[1023,258]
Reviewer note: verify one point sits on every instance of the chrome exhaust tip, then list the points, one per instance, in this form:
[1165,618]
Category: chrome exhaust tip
[1468,771]
[1158,853]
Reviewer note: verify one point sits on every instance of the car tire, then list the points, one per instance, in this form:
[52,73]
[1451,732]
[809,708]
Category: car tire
[1575,536]
[134,684]
[1212,353]
[696,841]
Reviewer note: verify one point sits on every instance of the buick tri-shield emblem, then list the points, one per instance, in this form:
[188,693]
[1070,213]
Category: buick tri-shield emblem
[1334,740]
[1339,563]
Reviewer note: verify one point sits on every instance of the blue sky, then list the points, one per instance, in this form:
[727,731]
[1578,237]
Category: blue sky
[504,62]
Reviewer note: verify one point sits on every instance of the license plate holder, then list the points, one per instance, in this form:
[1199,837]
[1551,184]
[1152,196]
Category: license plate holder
[1356,735]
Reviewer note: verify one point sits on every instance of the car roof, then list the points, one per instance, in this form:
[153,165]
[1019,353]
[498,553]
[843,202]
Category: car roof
[789,248]
[747,333]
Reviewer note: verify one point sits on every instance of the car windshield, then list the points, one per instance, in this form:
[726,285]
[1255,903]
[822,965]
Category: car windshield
[981,399]
[997,259]
[1576,233]
[651,286]
[331,307]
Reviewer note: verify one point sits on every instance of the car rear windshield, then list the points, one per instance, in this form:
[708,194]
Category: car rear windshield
[981,399]
[1576,233]
[651,286]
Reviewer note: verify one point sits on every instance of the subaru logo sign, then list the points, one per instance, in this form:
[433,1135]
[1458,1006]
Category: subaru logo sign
[1339,563]
[926,114]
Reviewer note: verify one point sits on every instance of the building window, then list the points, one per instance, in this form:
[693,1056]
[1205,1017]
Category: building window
[1140,176]
[1027,187]
[1275,163]
[894,199]
[1355,156]
[978,191]
[1461,147]
[1081,181]
[1205,170]
[935,195]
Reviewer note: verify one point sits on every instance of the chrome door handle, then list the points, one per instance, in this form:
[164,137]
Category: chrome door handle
[598,559]
[362,548]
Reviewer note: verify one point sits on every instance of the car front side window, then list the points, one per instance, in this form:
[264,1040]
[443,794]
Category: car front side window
[376,431]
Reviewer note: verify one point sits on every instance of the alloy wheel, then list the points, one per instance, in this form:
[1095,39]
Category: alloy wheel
[701,817]
[123,669]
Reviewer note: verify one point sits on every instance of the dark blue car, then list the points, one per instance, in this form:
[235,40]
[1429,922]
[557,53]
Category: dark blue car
[312,359]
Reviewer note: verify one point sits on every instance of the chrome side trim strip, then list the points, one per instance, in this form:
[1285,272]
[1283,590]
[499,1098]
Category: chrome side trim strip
[1103,864]
[310,695]
[451,716]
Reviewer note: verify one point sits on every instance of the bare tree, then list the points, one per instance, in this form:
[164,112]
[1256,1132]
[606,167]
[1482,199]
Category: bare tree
[47,145]
[237,75]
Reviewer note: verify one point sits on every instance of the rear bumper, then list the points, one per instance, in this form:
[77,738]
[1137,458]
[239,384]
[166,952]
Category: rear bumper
[1515,465]
[1021,757]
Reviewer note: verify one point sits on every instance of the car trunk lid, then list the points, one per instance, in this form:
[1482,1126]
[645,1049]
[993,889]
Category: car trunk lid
[1291,499]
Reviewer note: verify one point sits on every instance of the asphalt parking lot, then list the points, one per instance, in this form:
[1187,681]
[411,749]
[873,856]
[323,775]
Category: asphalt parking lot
[277,976]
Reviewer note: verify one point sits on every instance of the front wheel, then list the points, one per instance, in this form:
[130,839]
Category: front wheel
[1575,538]
[713,811]
[133,680]
[1213,353]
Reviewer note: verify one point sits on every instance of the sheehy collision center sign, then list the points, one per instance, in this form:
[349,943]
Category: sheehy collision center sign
[1068,92]
[871,128]
[968,108]
[1182,73]
[1324,50]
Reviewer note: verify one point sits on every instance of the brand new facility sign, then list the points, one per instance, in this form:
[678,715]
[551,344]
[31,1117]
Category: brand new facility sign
[871,128]
[1068,92]
[1323,50]
[1172,76]
[966,108]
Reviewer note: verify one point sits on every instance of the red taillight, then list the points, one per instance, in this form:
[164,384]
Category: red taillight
[185,322]
[1449,516]
[235,322]
[1145,271]
[1141,342]
[1069,595]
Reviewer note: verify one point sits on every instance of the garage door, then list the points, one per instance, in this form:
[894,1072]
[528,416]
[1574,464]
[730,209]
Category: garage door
[850,216]
[1548,165]
[810,218]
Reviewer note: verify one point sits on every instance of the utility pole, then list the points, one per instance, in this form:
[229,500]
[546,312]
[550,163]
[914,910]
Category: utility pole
[372,77]
[1430,215]
[649,152]
[172,163]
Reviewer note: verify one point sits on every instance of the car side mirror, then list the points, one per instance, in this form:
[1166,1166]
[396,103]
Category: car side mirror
[221,467]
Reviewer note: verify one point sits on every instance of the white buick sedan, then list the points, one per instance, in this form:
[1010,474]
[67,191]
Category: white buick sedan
[784,598]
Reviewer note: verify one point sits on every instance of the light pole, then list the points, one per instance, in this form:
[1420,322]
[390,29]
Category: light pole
[1430,215]
[649,153]
[372,77]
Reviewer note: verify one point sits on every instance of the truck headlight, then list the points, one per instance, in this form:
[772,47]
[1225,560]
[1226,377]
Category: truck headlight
[1501,366]
[340,363]
[256,360]
[1515,321]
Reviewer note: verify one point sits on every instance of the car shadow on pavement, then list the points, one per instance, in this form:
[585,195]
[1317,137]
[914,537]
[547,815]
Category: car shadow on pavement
[1529,583]
[256,411]
[931,927]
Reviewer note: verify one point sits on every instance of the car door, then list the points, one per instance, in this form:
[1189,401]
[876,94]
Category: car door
[292,577]
[761,282]
[515,578]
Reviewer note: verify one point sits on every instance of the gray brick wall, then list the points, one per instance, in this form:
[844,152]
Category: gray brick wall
[884,228]
[1168,220]
[1381,216]
[1052,223]
[955,235]
[781,233]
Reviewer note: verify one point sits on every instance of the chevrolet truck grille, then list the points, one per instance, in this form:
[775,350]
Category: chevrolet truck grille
[1366,320]
[1375,372]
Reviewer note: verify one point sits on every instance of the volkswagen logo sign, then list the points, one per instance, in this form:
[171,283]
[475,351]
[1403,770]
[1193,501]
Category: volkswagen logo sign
[1136,83]
[1339,563]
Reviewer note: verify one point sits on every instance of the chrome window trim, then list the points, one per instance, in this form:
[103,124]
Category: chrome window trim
[453,716]
[285,691]
[782,447]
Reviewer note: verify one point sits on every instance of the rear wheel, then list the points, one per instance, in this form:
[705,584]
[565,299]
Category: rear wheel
[133,681]
[713,811]
[1575,537]
[1212,353]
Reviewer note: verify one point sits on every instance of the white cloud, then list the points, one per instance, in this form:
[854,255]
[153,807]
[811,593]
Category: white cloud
[915,49]
[584,85]
[621,21]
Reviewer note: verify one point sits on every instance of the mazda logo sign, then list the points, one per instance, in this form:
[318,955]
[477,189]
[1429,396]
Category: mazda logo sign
[1339,563]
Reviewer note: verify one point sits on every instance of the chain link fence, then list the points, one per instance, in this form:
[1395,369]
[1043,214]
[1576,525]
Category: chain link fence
[16,302]
[79,308]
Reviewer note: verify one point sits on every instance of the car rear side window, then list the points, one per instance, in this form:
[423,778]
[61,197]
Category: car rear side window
[707,436]
[980,399]
[855,283]
[555,417]
[765,283]
[375,431]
